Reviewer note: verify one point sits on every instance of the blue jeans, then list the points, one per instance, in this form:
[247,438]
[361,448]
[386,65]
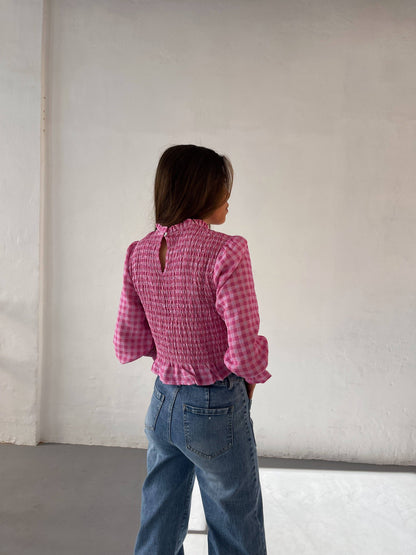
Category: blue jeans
[205,431]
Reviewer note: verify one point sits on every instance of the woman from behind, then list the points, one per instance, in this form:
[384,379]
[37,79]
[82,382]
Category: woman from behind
[188,302]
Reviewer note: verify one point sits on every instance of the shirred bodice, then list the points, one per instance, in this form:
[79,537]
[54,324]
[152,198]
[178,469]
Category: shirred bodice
[199,315]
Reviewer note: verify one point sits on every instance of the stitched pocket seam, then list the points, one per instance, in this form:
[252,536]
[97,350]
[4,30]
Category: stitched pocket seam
[159,397]
[195,423]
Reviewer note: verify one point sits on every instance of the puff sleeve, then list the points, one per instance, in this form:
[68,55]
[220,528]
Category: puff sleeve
[132,337]
[236,303]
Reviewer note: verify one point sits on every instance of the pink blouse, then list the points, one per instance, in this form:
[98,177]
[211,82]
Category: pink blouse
[198,319]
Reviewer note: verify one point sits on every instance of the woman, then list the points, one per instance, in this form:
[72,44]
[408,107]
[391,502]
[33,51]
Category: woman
[188,301]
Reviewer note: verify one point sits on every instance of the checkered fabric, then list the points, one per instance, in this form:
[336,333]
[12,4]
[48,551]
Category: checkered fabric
[198,318]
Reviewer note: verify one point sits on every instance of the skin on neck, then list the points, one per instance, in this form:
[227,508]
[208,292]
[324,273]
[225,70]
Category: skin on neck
[218,216]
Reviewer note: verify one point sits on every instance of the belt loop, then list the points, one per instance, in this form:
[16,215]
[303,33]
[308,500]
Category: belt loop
[232,379]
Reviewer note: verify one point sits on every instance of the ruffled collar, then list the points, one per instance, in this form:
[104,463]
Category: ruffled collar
[186,224]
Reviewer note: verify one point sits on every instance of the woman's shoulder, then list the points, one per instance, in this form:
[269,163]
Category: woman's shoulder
[137,247]
[233,249]
[229,251]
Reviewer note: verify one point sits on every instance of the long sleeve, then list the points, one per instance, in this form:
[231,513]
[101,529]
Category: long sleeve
[132,337]
[236,303]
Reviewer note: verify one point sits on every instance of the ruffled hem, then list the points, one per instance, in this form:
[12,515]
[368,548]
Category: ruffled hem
[189,374]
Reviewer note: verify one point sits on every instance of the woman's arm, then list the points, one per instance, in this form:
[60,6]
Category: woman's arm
[236,302]
[132,337]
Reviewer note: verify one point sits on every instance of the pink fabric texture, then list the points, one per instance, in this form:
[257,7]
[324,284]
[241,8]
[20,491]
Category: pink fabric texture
[198,319]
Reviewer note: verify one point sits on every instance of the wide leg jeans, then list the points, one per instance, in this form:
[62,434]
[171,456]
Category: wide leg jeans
[205,431]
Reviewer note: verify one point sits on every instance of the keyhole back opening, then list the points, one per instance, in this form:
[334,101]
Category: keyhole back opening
[162,253]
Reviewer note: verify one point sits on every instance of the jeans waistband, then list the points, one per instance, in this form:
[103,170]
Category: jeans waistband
[229,381]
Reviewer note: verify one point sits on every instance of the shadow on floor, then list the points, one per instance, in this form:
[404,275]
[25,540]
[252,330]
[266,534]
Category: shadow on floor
[59,499]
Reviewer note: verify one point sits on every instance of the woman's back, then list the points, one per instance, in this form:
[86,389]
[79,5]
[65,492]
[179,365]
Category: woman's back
[187,304]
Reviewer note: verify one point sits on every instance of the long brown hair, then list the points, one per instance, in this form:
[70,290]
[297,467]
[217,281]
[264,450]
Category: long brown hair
[191,182]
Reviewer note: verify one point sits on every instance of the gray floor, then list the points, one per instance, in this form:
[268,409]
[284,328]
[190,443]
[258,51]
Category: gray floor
[58,499]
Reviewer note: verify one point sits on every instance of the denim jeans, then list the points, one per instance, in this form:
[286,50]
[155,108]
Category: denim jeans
[205,431]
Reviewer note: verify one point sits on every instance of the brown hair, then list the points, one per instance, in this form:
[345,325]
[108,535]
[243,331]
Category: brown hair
[191,182]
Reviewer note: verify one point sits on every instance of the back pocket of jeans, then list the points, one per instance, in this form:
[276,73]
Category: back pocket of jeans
[154,409]
[208,432]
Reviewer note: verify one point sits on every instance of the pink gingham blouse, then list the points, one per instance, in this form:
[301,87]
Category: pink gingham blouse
[198,319]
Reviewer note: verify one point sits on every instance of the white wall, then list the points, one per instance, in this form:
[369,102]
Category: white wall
[314,104]
[20,93]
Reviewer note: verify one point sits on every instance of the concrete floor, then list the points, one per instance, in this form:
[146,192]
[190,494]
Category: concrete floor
[60,499]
